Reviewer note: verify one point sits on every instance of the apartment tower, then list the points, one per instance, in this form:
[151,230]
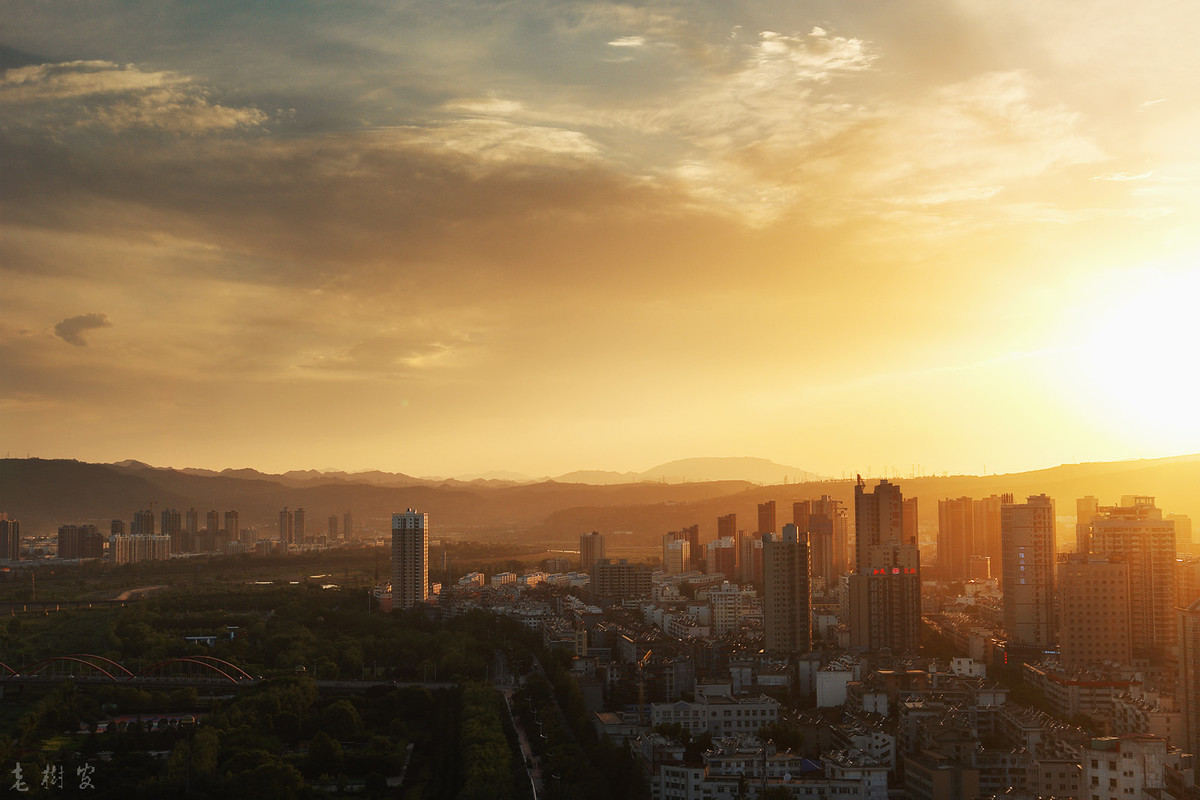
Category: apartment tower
[1028,554]
[885,587]
[787,601]
[410,559]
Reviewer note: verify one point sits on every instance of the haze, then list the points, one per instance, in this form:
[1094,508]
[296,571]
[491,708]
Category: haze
[448,237]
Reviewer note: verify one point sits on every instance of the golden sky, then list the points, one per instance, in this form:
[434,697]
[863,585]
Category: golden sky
[452,237]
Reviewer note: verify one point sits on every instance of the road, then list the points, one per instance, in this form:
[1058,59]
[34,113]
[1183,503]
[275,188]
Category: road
[506,684]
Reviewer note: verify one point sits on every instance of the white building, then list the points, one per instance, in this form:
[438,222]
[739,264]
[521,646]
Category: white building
[1116,768]
[126,548]
[729,604]
[720,715]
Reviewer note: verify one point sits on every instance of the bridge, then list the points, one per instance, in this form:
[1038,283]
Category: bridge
[199,671]
[195,670]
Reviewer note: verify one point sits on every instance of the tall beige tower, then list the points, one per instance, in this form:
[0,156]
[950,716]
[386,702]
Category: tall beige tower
[591,550]
[1136,533]
[410,559]
[1027,542]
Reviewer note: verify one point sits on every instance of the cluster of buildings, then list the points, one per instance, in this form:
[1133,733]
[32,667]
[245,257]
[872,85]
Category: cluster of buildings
[170,533]
[794,650]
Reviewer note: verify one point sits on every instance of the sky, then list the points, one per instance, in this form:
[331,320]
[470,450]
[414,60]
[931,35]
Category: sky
[447,238]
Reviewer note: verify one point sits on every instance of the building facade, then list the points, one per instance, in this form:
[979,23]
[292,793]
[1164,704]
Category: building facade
[787,597]
[1029,562]
[1136,533]
[591,550]
[885,587]
[1094,604]
[410,559]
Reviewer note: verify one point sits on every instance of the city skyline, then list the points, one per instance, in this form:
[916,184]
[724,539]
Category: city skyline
[446,239]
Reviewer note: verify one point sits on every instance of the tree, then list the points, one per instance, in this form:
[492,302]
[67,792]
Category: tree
[325,755]
[341,719]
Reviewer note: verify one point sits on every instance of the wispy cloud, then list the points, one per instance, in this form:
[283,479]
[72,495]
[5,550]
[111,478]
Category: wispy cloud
[1120,177]
[102,95]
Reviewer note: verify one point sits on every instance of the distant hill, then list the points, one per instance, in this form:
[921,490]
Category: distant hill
[755,470]
[693,470]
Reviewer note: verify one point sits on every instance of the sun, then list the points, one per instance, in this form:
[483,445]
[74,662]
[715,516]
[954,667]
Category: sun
[1138,342]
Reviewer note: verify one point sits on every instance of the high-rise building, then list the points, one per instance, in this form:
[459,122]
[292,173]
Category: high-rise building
[410,559]
[1187,581]
[591,550]
[1027,541]
[172,525]
[909,521]
[727,526]
[298,534]
[143,523]
[787,599]
[885,588]
[1136,533]
[692,534]
[721,557]
[843,550]
[287,530]
[987,530]
[191,530]
[766,517]
[233,526]
[801,510]
[10,538]
[1085,509]
[1184,544]
[80,541]
[878,519]
[729,605]
[181,540]
[820,546]
[1189,669]
[1094,616]
[348,526]
[750,560]
[677,553]
[132,547]
[333,527]
[956,538]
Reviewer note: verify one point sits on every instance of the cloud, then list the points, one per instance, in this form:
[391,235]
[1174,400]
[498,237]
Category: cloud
[1120,177]
[71,330]
[101,95]
[78,79]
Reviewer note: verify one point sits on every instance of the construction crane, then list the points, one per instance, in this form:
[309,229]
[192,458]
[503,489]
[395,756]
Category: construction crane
[642,687]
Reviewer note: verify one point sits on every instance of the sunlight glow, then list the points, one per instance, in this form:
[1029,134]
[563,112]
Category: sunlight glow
[1138,348]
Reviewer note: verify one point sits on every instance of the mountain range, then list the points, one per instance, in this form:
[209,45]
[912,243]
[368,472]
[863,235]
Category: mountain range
[44,494]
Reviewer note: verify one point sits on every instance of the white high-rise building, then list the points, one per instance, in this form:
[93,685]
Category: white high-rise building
[410,558]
